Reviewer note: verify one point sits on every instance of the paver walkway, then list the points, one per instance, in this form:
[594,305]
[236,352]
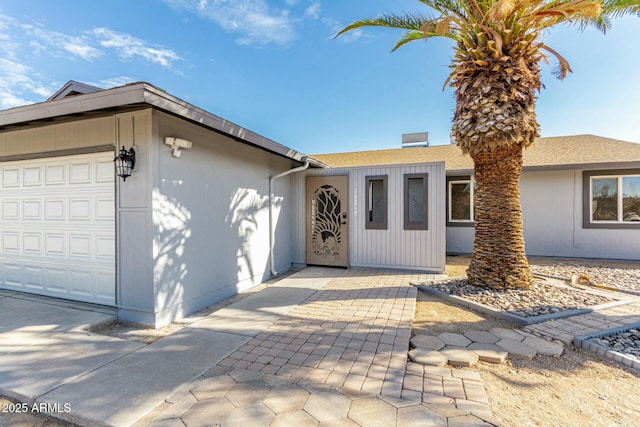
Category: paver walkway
[565,330]
[338,358]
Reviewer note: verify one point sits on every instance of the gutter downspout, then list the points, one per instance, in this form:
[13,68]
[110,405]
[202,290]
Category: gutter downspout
[272,262]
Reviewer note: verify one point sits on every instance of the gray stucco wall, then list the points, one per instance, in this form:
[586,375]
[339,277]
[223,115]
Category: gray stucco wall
[552,211]
[210,218]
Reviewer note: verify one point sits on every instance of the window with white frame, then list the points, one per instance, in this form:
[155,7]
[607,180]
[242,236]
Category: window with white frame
[612,199]
[460,200]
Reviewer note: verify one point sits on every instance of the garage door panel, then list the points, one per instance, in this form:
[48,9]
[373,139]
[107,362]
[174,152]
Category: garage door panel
[104,285]
[59,214]
[81,283]
[55,174]
[54,209]
[13,275]
[104,209]
[11,242]
[80,246]
[11,177]
[31,243]
[11,209]
[31,176]
[104,171]
[54,244]
[105,247]
[34,278]
[80,209]
[80,173]
[57,281]
[31,209]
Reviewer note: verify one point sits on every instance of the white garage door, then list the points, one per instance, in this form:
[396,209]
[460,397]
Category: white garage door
[57,226]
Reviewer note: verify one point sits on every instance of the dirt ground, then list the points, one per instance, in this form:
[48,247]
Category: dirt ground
[577,389]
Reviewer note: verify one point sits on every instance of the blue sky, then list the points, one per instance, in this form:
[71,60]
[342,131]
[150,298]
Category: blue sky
[273,67]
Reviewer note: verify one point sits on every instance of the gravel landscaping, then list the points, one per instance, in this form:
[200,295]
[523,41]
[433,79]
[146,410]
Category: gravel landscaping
[627,342]
[619,275]
[542,299]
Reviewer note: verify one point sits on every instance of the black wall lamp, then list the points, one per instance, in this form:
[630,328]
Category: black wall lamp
[125,161]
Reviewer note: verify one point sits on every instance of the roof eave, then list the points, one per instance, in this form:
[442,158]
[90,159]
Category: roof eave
[170,104]
[574,166]
[112,98]
[141,94]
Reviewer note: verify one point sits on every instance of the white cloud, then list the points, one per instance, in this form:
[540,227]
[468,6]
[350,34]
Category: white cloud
[258,24]
[15,84]
[313,11]
[77,46]
[129,46]
[335,27]
[25,44]
[115,82]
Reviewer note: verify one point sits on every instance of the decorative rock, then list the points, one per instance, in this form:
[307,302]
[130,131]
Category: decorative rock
[489,353]
[481,336]
[517,349]
[543,297]
[508,334]
[544,347]
[460,356]
[427,357]
[428,342]
[622,278]
[452,339]
[627,343]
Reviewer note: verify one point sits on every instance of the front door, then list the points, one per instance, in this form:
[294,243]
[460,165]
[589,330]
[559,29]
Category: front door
[327,220]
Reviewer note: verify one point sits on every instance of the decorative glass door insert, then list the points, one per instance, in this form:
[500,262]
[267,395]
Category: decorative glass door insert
[327,220]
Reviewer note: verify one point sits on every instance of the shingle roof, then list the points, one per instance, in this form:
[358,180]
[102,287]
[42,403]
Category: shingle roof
[563,152]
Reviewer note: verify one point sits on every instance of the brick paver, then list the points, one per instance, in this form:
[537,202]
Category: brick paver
[338,358]
[565,330]
[359,324]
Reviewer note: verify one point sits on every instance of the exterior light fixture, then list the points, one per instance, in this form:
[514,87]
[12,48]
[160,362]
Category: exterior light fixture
[177,144]
[125,161]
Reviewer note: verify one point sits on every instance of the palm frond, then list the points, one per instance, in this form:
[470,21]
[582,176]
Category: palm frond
[409,37]
[563,65]
[501,8]
[617,8]
[408,21]
[459,8]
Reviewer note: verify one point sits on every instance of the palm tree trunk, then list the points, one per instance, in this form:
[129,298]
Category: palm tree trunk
[499,260]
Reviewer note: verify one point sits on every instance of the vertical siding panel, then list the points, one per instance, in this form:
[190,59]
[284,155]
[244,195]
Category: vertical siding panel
[397,225]
[394,247]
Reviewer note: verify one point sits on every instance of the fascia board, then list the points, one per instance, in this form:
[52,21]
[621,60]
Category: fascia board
[113,98]
[168,103]
[141,94]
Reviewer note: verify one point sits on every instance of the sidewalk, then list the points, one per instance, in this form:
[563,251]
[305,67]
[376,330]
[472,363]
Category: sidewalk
[320,346]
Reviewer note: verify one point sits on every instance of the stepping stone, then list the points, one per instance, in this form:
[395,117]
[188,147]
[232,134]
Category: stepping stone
[457,356]
[428,342]
[452,339]
[489,353]
[545,347]
[517,349]
[481,337]
[508,334]
[428,357]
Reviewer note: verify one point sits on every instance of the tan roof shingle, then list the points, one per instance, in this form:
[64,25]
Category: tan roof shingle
[554,152]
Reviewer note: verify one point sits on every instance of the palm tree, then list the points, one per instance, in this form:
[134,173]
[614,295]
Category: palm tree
[495,73]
